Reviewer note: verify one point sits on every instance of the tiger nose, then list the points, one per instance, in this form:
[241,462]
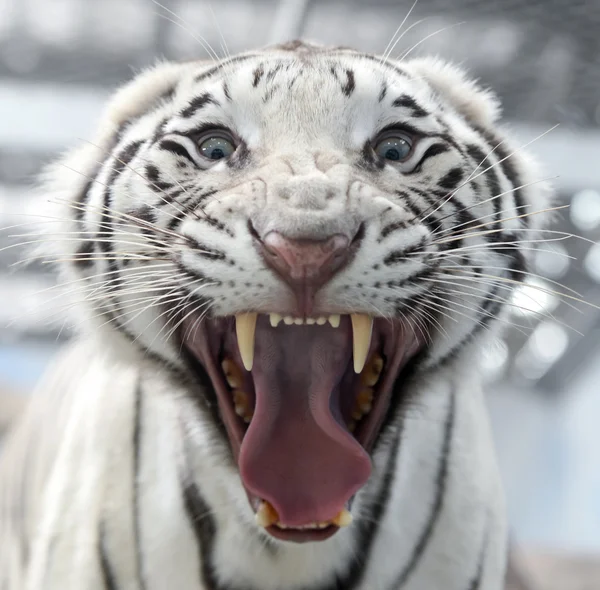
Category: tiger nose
[305,265]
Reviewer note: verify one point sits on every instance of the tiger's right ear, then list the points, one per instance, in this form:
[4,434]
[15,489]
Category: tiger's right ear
[142,93]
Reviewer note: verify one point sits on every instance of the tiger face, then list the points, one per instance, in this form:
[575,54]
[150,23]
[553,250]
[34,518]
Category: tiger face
[302,233]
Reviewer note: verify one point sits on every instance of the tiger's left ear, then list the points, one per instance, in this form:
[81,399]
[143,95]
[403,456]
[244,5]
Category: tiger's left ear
[451,85]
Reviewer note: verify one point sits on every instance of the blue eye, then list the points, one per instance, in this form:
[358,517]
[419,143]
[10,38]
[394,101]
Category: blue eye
[216,148]
[395,149]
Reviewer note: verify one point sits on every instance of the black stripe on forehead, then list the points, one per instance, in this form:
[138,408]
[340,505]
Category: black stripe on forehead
[222,66]
[408,102]
[197,103]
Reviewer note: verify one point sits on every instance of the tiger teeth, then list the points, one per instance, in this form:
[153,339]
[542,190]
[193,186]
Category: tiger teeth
[343,519]
[275,319]
[241,403]
[266,515]
[309,526]
[334,320]
[372,371]
[363,403]
[232,374]
[362,328]
[245,327]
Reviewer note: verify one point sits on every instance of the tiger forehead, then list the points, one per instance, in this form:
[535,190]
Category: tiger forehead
[339,93]
[293,72]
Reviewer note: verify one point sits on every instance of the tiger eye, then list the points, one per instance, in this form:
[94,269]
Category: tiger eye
[395,149]
[216,148]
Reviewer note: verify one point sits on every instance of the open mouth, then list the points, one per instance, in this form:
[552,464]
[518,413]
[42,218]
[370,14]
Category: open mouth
[302,401]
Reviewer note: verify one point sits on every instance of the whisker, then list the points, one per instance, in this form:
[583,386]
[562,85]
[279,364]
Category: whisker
[510,155]
[490,199]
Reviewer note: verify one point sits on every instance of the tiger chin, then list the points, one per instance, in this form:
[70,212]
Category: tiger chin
[284,266]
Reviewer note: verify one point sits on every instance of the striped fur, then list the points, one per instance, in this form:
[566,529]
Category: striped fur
[120,476]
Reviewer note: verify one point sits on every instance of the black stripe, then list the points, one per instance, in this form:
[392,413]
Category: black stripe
[84,196]
[491,178]
[383,91]
[152,172]
[434,150]
[226,91]
[204,251]
[204,527]
[222,67]
[451,179]
[475,583]
[188,207]
[509,169]
[393,227]
[176,149]
[137,461]
[408,102]
[438,502]
[198,103]
[106,569]
[258,73]
[84,255]
[420,216]
[273,72]
[350,85]
[121,161]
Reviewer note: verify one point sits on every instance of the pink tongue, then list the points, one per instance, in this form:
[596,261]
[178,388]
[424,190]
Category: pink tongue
[295,453]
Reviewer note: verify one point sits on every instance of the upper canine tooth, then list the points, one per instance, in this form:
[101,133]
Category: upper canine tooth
[334,320]
[344,518]
[362,327]
[245,327]
[274,318]
[266,515]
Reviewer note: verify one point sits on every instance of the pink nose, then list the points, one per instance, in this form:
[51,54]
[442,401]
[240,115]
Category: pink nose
[305,265]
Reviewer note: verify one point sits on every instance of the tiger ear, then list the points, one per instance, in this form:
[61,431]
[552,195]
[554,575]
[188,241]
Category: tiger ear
[476,104]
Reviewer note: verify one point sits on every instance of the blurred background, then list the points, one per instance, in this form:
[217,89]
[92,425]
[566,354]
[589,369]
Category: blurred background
[60,60]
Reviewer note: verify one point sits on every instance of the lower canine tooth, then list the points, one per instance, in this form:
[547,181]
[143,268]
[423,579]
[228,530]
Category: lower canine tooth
[362,327]
[245,327]
[343,519]
[266,515]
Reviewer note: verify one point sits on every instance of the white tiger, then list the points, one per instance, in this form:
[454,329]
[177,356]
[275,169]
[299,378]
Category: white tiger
[286,265]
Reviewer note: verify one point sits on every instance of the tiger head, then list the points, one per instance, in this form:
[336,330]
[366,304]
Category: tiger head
[302,233]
